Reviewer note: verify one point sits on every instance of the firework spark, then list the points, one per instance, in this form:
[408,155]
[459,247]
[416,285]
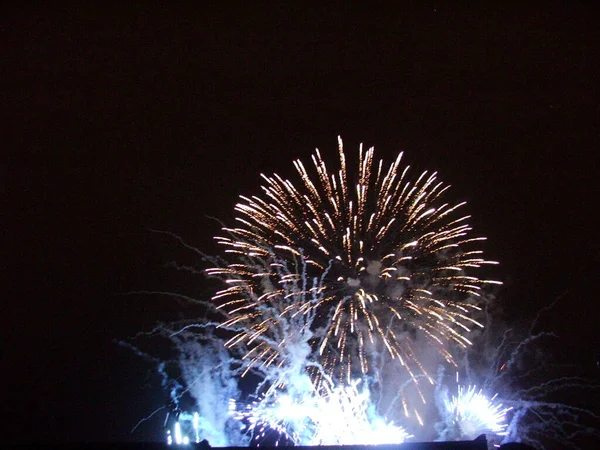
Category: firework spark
[470,413]
[390,258]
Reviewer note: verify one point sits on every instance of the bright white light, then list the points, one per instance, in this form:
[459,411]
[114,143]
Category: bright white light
[195,425]
[341,416]
[474,413]
[178,436]
[187,424]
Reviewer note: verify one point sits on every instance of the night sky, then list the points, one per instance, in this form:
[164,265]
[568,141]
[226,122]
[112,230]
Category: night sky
[118,120]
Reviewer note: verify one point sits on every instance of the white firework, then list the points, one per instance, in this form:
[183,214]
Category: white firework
[342,415]
[471,412]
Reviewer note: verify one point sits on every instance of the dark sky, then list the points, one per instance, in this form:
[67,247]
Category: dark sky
[122,119]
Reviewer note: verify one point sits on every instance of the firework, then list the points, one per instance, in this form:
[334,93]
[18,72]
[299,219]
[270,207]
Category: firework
[389,261]
[342,415]
[341,293]
[470,413]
